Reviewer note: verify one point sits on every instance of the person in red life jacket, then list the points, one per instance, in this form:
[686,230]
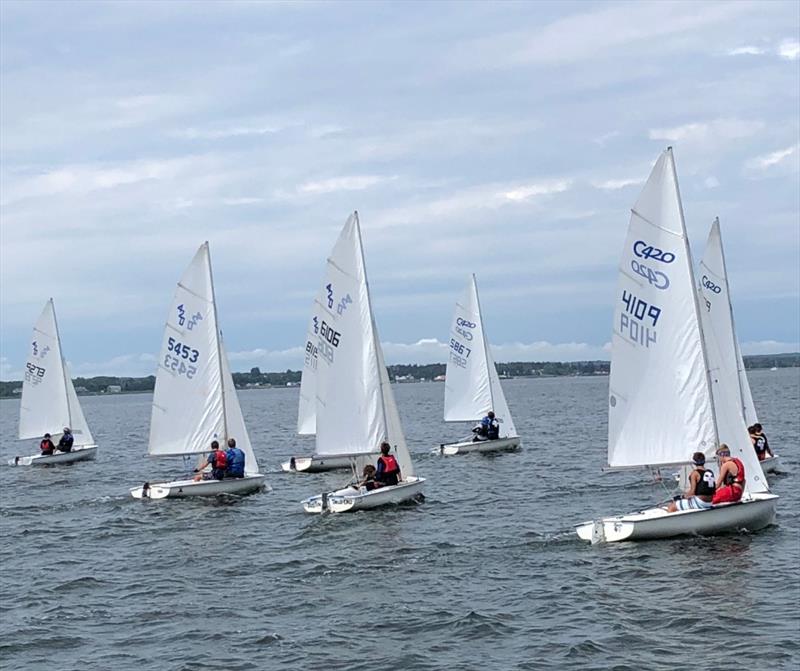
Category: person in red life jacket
[760,442]
[46,446]
[701,488]
[388,470]
[730,483]
[218,461]
[368,482]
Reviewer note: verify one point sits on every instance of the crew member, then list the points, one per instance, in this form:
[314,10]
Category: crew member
[235,459]
[46,446]
[388,470]
[730,483]
[65,444]
[760,442]
[217,460]
[488,429]
[368,481]
[701,488]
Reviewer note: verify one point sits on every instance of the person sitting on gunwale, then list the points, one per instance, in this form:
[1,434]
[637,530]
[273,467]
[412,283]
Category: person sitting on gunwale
[65,444]
[388,470]
[235,459]
[46,446]
[701,488]
[217,460]
[760,442]
[488,429]
[730,483]
[368,482]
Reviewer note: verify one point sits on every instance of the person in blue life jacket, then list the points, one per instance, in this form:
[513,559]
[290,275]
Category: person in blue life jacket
[488,429]
[702,485]
[218,461]
[235,458]
[65,444]
[387,471]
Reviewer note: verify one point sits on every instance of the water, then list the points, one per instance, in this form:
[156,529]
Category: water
[486,574]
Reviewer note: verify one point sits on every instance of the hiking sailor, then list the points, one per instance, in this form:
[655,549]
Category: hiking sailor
[217,460]
[488,429]
[235,460]
[388,470]
[65,444]
[730,483]
[701,488]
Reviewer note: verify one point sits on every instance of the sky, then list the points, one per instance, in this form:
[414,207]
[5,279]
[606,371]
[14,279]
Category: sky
[505,139]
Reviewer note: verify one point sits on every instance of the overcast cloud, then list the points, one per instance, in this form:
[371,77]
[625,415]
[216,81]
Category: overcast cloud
[508,140]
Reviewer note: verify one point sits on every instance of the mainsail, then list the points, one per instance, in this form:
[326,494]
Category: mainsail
[49,402]
[307,408]
[660,405]
[355,407]
[195,401]
[723,358]
[472,386]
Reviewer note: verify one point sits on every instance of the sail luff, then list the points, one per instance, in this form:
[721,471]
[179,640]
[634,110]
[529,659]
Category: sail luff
[217,336]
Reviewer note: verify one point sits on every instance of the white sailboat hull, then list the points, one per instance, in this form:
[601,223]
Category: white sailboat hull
[185,488]
[499,445]
[351,499]
[78,453]
[319,463]
[771,464]
[753,513]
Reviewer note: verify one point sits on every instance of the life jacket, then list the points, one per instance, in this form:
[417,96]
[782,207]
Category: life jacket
[761,445]
[737,479]
[390,465]
[47,445]
[705,485]
[220,460]
[235,460]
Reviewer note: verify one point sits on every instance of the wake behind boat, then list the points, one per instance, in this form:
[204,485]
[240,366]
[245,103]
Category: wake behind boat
[472,387]
[354,407]
[664,401]
[195,400]
[49,402]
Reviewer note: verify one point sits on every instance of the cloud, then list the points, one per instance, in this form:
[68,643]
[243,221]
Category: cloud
[528,191]
[708,131]
[769,347]
[225,132]
[711,182]
[746,51]
[789,50]
[347,183]
[774,158]
[616,184]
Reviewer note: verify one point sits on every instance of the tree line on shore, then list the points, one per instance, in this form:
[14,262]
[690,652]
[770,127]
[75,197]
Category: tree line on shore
[405,372]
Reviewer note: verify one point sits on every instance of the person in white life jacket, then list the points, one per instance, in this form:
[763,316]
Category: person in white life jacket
[387,471]
[218,461]
[488,429]
[701,488]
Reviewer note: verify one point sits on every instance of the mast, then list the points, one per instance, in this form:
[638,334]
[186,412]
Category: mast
[63,366]
[695,302]
[219,344]
[486,356]
[733,322]
[375,343]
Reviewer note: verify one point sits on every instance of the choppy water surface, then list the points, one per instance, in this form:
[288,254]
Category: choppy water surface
[486,574]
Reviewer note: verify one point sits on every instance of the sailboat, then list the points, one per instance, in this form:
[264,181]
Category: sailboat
[307,406]
[716,311]
[355,406]
[49,402]
[195,401]
[663,403]
[472,387]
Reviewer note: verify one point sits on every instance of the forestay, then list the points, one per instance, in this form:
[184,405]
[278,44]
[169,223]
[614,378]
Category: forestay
[472,386]
[189,398]
[355,407]
[660,408]
[49,402]
[722,354]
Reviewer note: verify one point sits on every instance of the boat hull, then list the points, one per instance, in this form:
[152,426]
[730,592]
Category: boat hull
[756,512]
[78,453]
[771,464]
[186,488]
[318,463]
[500,445]
[351,499]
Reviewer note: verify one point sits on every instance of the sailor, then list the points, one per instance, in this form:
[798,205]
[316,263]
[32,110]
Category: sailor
[65,444]
[701,488]
[368,482]
[217,460]
[46,446]
[488,429]
[235,459]
[760,442]
[388,470]
[730,483]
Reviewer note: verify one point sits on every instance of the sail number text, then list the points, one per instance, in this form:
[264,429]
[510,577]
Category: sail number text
[637,322]
[181,358]
[459,353]
[328,341]
[33,373]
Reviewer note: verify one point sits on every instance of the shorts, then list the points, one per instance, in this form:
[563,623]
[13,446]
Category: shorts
[727,494]
[692,503]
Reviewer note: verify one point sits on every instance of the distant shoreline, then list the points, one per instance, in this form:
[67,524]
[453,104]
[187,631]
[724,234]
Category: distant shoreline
[255,379]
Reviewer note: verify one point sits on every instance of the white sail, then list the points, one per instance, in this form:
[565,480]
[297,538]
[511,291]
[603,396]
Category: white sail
[472,386]
[188,407]
[307,407]
[80,429]
[44,407]
[748,407]
[351,410]
[234,420]
[660,407]
[721,351]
